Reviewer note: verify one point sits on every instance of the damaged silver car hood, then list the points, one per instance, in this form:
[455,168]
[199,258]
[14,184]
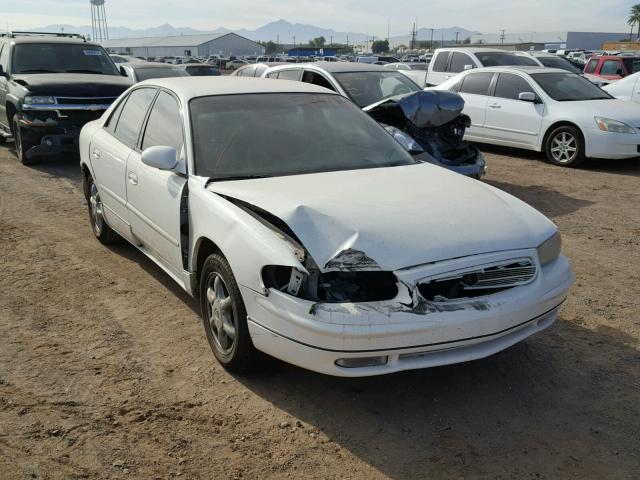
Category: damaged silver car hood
[393,218]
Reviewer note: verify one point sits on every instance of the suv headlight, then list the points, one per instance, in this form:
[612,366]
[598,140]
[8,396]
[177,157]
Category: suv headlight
[609,125]
[550,249]
[33,100]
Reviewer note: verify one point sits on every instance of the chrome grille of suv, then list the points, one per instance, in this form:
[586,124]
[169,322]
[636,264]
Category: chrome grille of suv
[85,100]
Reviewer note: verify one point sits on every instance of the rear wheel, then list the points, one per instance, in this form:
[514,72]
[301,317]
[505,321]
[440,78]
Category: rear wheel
[103,232]
[565,146]
[225,317]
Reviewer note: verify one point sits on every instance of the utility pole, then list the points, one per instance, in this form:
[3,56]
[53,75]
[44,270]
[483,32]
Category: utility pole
[277,42]
[457,33]
[431,42]
[331,37]
[502,35]
[294,42]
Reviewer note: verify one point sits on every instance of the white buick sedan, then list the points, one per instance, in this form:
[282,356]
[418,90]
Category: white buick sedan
[308,233]
[547,110]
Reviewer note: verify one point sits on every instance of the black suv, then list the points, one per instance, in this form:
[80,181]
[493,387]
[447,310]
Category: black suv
[50,86]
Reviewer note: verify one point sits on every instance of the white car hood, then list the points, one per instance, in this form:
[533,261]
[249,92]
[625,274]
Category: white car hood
[613,108]
[393,218]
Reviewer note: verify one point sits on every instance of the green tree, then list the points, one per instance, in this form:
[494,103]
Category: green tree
[634,18]
[270,47]
[318,42]
[380,46]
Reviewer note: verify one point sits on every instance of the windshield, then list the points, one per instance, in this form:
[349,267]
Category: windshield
[202,71]
[557,62]
[497,59]
[61,58]
[266,135]
[365,88]
[159,72]
[569,87]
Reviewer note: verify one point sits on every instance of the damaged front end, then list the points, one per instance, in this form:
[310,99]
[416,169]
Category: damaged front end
[431,126]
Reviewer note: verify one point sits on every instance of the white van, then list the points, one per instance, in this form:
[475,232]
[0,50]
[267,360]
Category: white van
[447,62]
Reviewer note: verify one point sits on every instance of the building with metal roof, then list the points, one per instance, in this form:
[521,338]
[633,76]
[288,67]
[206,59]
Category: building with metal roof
[186,45]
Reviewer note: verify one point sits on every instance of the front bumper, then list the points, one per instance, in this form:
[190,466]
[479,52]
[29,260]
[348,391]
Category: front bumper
[314,336]
[608,145]
[476,170]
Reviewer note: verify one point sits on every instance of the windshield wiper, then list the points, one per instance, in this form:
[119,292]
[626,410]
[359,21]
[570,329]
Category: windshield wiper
[80,70]
[235,177]
[36,70]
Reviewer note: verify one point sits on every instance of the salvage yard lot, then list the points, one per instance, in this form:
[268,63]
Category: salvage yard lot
[105,371]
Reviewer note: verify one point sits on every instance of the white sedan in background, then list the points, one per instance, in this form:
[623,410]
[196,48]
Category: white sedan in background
[545,109]
[278,242]
[627,88]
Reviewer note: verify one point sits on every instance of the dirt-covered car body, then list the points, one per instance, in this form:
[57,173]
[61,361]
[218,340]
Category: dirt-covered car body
[447,269]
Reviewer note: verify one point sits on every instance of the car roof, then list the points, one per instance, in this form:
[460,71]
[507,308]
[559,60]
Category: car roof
[475,49]
[136,65]
[48,39]
[192,87]
[521,68]
[336,67]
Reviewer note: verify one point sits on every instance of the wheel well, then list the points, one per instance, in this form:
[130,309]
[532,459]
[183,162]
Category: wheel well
[11,111]
[556,125]
[205,248]
[86,175]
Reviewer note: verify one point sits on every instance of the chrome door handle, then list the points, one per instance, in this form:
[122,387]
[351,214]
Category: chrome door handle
[494,105]
[96,154]
[133,178]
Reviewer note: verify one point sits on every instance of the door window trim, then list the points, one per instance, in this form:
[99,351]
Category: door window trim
[136,147]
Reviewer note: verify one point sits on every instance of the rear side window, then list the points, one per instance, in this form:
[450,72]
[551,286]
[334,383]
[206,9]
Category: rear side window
[273,75]
[591,66]
[476,83]
[132,116]
[440,63]
[113,119]
[511,86]
[165,124]
[459,61]
[289,75]
[4,56]
[611,67]
[632,64]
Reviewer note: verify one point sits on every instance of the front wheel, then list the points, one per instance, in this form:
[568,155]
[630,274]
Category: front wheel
[22,145]
[103,232]
[225,317]
[565,146]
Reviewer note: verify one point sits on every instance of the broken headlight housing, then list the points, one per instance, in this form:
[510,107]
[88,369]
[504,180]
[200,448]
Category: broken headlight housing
[550,249]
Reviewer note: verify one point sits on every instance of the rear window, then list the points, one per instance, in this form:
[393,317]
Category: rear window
[632,64]
[440,63]
[147,73]
[497,59]
[611,67]
[460,62]
[557,62]
[476,83]
[61,58]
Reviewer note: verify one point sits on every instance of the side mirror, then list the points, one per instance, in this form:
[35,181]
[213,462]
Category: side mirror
[123,72]
[469,67]
[162,158]
[527,97]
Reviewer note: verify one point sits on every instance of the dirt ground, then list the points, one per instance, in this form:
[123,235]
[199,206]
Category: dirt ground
[105,371]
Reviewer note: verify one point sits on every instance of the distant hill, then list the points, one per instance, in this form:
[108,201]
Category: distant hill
[285,30]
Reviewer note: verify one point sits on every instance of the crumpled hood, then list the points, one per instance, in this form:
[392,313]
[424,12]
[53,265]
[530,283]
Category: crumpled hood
[393,218]
[73,84]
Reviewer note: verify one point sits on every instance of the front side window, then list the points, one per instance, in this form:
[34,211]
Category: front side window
[440,63]
[165,124]
[510,86]
[287,134]
[459,62]
[133,113]
[591,66]
[568,87]
[61,58]
[365,88]
[476,83]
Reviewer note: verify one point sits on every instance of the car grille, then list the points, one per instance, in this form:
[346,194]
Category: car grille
[479,281]
[85,100]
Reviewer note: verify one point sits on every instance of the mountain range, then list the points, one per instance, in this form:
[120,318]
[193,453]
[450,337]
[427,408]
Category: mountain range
[281,29]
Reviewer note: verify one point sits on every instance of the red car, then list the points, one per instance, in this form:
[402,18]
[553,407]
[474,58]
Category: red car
[611,67]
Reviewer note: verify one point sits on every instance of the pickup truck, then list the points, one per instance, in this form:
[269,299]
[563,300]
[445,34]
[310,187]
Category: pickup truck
[609,68]
[52,84]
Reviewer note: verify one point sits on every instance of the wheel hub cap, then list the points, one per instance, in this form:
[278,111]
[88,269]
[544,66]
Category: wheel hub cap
[564,147]
[220,314]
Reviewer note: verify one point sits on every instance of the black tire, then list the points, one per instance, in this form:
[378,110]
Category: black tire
[21,144]
[224,316]
[102,231]
[565,146]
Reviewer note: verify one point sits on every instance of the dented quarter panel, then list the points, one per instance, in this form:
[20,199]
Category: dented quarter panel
[396,217]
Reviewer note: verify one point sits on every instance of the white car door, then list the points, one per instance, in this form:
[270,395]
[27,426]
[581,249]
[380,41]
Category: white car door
[153,195]
[511,121]
[438,68]
[110,149]
[474,88]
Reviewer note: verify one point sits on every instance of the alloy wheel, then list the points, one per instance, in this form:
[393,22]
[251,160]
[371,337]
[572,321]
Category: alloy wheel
[564,147]
[95,204]
[220,318]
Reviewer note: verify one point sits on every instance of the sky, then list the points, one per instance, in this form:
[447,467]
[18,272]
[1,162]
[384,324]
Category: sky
[486,16]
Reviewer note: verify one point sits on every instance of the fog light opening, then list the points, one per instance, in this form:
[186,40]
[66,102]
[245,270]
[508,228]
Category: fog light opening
[362,362]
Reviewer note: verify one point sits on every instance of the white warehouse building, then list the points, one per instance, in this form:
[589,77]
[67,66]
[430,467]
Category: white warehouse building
[185,45]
